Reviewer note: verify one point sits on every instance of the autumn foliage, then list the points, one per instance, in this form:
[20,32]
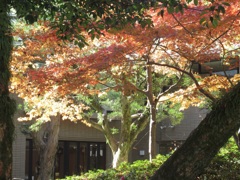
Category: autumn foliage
[172,45]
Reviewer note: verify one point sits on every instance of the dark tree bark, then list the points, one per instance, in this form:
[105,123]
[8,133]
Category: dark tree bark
[7,105]
[236,137]
[46,140]
[189,161]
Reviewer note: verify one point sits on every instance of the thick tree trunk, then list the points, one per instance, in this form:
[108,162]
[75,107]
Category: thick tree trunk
[130,129]
[236,137]
[131,126]
[121,155]
[189,161]
[120,149]
[125,140]
[48,143]
[7,105]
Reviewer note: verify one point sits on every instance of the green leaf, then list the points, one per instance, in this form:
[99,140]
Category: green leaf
[180,6]
[177,9]
[221,9]
[108,20]
[203,21]
[30,19]
[215,22]
[196,2]
[204,12]
[217,17]
[226,3]
[212,8]
[101,26]
[170,9]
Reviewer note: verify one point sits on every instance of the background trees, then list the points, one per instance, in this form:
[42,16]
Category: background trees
[200,52]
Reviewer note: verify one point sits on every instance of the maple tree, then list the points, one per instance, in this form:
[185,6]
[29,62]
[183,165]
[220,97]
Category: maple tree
[183,29]
[68,82]
[47,103]
[86,15]
[32,11]
[47,109]
[182,50]
[125,92]
[183,42]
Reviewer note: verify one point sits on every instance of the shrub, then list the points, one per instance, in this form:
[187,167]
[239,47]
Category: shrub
[226,165]
[138,170]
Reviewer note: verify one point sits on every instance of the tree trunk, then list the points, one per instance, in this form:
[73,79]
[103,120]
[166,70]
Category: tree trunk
[121,155]
[152,144]
[131,126]
[125,140]
[48,144]
[120,149]
[236,137]
[189,161]
[7,105]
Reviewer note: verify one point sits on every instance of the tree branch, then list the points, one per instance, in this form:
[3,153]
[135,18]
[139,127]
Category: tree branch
[169,89]
[221,35]
[182,25]
[204,92]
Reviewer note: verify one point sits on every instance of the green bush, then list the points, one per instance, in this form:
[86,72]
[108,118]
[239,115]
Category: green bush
[226,165]
[138,170]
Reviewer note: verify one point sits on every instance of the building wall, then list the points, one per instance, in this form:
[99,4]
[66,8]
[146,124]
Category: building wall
[79,132]
[71,131]
[192,117]
[168,135]
[141,144]
[19,146]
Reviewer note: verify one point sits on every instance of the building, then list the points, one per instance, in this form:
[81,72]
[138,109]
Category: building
[82,148]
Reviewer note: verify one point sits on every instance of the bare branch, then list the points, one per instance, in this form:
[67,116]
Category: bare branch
[224,71]
[221,35]
[203,91]
[182,25]
[169,89]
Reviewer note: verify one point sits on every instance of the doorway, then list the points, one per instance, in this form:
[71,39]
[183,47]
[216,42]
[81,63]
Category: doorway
[72,158]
